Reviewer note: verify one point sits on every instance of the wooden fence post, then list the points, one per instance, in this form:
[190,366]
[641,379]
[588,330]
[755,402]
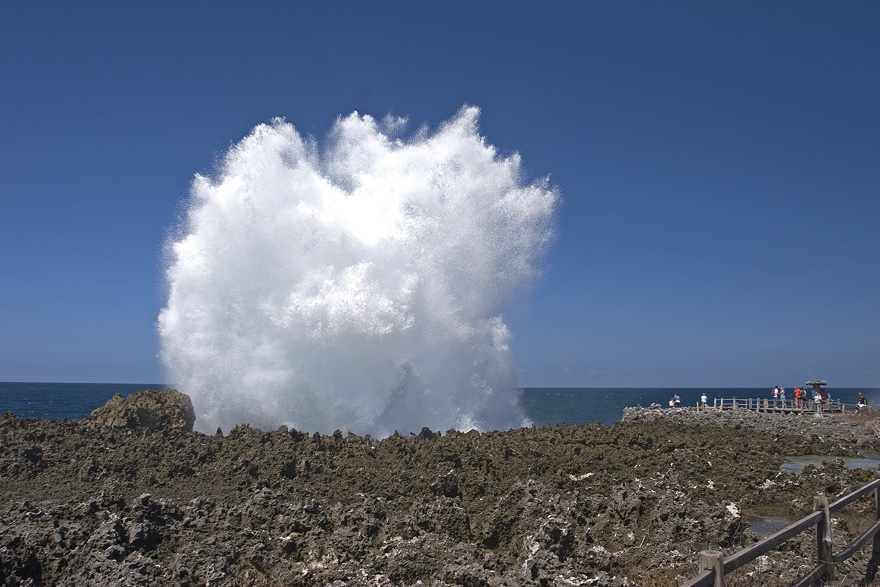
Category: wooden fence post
[713,560]
[823,538]
[871,571]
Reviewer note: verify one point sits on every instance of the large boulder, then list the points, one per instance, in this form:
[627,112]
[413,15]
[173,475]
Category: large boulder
[155,410]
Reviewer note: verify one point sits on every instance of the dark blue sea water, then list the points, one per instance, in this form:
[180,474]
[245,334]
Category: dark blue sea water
[53,401]
[544,406]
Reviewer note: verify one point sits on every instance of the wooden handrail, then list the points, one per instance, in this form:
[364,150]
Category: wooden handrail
[747,555]
[848,499]
[777,405]
[713,566]
[857,543]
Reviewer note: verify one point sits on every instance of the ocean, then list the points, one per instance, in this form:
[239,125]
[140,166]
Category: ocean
[544,406]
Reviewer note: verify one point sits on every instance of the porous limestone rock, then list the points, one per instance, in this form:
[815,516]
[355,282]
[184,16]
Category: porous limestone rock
[155,410]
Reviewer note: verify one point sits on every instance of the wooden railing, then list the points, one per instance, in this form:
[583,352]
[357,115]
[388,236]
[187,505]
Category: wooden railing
[762,404]
[714,566]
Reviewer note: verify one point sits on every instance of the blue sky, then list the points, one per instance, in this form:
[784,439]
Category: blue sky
[719,165]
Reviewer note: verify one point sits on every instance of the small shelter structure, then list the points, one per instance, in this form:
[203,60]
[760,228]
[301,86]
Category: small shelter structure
[817,385]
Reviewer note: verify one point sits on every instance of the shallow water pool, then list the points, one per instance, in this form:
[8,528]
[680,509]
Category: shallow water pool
[764,521]
[868,461]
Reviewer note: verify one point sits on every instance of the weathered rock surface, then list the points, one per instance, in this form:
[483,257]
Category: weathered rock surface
[155,410]
[632,504]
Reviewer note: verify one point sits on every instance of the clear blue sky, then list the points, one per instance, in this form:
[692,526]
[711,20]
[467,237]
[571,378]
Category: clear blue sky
[719,165]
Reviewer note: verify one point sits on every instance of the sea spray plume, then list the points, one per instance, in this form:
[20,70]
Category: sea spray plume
[359,288]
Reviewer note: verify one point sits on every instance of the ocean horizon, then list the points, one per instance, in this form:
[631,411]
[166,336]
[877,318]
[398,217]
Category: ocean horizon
[542,405]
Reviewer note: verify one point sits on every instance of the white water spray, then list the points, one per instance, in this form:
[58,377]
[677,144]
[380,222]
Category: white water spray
[357,288]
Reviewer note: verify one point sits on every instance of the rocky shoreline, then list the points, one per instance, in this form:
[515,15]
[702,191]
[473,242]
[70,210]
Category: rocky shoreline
[131,496]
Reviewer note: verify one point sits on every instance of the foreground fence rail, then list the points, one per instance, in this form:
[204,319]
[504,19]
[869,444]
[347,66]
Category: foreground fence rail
[714,566]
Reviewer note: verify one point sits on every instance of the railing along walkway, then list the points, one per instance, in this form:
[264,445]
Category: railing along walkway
[714,566]
[785,406]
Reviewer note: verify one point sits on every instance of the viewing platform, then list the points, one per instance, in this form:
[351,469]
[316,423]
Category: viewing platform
[790,404]
[785,406]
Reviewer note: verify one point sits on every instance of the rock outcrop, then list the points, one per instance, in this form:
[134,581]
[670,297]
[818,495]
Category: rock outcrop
[154,410]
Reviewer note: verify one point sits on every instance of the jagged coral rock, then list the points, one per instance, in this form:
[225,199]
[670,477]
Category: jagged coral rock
[155,410]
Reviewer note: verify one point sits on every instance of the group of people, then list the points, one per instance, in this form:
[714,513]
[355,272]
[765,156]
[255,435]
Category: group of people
[802,399]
